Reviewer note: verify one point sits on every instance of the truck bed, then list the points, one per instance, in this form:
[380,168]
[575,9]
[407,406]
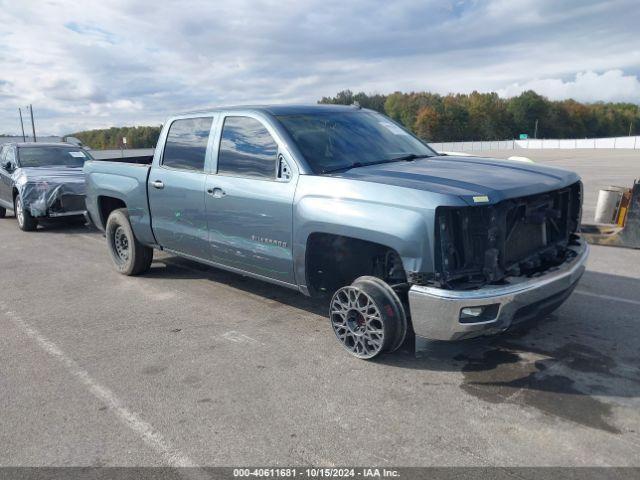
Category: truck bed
[141,156]
[117,181]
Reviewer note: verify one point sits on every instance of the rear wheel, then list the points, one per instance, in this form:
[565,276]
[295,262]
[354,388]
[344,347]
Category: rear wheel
[129,256]
[3,212]
[367,318]
[26,222]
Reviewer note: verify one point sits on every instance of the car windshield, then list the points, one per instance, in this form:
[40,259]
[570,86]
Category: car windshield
[52,156]
[333,141]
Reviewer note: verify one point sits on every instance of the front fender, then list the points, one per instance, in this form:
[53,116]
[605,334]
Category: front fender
[366,215]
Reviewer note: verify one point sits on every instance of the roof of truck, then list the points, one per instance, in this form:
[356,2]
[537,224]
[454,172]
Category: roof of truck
[282,109]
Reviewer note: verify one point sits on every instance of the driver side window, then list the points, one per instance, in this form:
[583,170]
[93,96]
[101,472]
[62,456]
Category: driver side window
[247,149]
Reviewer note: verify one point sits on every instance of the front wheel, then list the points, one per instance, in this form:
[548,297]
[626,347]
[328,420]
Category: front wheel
[3,212]
[26,221]
[129,255]
[368,318]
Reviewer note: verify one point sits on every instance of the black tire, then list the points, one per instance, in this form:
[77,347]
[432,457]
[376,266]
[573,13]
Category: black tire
[367,318]
[129,255]
[396,308]
[3,212]
[26,222]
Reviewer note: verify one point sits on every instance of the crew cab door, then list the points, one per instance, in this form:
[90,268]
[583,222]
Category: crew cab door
[249,200]
[176,188]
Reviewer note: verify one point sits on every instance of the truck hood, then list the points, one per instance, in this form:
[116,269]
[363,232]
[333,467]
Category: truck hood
[470,178]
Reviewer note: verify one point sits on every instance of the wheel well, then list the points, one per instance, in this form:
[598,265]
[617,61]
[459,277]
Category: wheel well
[106,205]
[333,261]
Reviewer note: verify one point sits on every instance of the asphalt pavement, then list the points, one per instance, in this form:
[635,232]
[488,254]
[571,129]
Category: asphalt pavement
[190,365]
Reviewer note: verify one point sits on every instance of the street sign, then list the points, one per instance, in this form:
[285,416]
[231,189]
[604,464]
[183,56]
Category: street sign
[124,140]
[523,136]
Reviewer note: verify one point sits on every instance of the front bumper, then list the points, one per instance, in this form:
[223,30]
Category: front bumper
[435,312]
[68,214]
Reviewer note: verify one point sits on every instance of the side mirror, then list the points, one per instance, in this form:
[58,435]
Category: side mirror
[8,166]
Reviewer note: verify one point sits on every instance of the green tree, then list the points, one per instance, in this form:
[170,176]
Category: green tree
[525,109]
[137,137]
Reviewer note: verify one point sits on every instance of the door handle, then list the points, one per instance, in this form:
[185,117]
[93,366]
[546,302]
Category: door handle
[216,192]
[158,184]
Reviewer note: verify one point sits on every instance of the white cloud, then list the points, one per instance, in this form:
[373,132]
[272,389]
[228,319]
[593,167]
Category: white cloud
[93,62]
[610,86]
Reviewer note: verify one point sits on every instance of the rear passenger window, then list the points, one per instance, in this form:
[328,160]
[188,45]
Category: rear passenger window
[247,149]
[186,144]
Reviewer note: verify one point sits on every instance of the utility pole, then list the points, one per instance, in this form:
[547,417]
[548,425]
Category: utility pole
[535,132]
[33,125]
[630,125]
[24,139]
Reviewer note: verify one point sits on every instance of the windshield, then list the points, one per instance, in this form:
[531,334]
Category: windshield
[52,156]
[338,140]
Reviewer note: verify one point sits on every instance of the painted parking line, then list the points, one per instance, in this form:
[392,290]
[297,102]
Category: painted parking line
[171,456]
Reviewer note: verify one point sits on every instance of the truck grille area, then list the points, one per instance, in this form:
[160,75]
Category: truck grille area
[479,245]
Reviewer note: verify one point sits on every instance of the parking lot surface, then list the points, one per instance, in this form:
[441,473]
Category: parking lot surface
[189,365]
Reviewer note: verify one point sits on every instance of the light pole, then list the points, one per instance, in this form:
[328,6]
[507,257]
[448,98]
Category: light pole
[33,126]
[24,139]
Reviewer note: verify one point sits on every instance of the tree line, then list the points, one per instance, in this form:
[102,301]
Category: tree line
[453,117]
[107,138]
[486,116]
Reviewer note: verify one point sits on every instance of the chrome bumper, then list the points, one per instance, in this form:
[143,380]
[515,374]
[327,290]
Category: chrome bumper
[435,312]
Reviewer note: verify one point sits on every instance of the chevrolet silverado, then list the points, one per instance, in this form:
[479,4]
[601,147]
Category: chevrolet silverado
[344,203]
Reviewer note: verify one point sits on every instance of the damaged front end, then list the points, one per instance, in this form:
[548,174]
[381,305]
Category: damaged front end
[483,245]
[51,192]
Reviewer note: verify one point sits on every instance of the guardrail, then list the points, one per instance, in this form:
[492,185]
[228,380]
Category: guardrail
[629,143]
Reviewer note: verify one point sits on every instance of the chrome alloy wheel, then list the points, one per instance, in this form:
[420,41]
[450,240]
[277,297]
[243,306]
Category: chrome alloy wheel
[357,322]
[19,211]
[121,243]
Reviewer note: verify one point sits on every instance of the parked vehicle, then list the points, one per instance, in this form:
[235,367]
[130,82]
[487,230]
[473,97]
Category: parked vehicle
[41,180]
[343,202]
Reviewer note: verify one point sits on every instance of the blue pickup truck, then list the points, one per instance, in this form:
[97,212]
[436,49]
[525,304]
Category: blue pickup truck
[344,203]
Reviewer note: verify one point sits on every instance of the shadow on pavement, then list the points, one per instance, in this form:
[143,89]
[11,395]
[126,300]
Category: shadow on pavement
[561,365]
[76,224]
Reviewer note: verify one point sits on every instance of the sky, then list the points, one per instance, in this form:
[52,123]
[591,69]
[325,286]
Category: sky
[93,64]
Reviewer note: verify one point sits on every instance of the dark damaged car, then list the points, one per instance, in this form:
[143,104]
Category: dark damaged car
[42,180]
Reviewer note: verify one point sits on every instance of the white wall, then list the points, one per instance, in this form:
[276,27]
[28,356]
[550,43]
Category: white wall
[632,143]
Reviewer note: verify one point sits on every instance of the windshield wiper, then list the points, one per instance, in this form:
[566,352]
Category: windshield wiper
[408,157]
[403,158]
[346,167]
